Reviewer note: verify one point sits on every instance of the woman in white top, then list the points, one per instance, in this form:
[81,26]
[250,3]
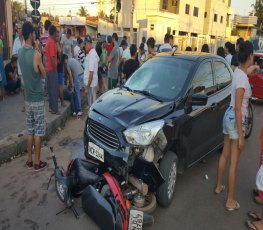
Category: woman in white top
[233,123]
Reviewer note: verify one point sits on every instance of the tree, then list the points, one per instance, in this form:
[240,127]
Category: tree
[17,8]
[83,12]
[258,8]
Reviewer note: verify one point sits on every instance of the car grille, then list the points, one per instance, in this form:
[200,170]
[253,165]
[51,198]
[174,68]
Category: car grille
[103,134]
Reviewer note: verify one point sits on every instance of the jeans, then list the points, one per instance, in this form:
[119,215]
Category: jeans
[76,95]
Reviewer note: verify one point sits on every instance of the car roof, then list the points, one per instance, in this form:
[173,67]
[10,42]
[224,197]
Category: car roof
[188,55]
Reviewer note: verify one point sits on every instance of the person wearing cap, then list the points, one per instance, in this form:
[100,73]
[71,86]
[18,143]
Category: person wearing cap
[113,63]
[91,71]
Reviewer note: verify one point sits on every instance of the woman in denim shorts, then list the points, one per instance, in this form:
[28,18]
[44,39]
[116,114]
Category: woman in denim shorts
[233,123]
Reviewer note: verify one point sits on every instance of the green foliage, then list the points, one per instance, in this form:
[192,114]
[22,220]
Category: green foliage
[258,8]
[83,12]
[17,7]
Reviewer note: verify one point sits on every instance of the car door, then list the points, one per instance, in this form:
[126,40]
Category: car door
[223,79]
[202,136]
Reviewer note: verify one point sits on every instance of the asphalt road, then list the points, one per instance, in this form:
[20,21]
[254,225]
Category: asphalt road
[25,203]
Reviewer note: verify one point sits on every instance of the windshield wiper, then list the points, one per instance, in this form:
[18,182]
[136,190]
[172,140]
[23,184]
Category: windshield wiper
[147,93]
[126,87]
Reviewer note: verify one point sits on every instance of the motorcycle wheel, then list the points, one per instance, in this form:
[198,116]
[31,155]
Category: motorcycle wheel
[150,204]
[168,168]
[249,121]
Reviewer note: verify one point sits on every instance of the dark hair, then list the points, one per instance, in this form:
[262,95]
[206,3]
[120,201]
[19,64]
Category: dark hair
[69,31]
[79,40]
[47,24]
[245,50]
[171,36]
[205,48]
[109,39]
[239,40]
[52,30]
[124,43]
[13,59]
[141,47]
[27,29]
[115,36]
[133,49]
[228,46]
[233,49]
[221,52]
[188,48]
[143,39]
[125,37]
[98,35]
[150,42]
[166,38]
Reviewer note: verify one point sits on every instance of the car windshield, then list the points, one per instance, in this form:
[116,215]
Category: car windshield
[162,78]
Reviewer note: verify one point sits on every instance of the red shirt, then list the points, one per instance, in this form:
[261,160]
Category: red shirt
[51,51]
[109,48]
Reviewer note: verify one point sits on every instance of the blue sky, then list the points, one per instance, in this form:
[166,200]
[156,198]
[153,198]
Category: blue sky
[242,6]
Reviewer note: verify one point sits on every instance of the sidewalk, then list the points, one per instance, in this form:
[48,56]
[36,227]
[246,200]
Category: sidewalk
[12,125]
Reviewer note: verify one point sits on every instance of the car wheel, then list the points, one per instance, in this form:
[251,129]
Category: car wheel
[249,121]
[168,169]
[150,204]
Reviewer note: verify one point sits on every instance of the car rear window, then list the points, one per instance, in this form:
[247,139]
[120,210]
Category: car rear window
[162,77]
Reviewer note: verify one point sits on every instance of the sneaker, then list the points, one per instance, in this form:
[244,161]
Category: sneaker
[29,164]
[41,166]
[80,113]
[74,114]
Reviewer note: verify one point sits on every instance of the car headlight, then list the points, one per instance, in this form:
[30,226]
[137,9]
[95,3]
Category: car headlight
[143,134]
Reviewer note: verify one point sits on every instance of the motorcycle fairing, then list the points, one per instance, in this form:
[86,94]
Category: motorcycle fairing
[148,172]
[98,208]
[117,194]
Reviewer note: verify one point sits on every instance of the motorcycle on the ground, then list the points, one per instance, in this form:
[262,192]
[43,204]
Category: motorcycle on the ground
[106,198]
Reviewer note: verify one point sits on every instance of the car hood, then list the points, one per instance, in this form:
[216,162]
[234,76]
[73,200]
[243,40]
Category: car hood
[129,108]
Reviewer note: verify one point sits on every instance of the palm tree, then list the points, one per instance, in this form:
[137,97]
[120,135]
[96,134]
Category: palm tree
[258,8]
[17,7]
[83,12]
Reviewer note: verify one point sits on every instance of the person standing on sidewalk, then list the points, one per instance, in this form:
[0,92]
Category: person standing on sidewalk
[32,69]
[91,71]
[51,69]
[113,63]
[67,44]
[19,43]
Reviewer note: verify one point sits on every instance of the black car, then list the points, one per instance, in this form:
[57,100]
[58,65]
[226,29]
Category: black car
[170,110]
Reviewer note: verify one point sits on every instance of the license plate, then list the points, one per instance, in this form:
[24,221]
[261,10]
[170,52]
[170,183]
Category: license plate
[136,220]
[96,151]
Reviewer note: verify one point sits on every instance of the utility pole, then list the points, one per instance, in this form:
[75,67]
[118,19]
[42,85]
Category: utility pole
[131,23]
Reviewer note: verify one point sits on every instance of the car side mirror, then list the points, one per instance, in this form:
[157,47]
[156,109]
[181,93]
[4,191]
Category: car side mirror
[198,99]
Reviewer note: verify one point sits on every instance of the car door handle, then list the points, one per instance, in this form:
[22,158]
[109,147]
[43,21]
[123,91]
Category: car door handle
[214,106]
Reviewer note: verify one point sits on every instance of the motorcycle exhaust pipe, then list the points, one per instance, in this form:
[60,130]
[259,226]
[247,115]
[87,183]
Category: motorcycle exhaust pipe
[139,184]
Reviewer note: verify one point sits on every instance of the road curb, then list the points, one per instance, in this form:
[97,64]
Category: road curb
[15,144]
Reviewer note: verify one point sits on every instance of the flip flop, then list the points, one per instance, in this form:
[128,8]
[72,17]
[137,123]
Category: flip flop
[252,226]
[255,215]
[223,187]
[237,206]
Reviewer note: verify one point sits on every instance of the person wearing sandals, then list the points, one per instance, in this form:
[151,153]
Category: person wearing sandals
[233,124]
[31,66]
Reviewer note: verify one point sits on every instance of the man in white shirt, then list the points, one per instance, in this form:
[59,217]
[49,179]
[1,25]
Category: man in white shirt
[91,71]
[166,46]
[228,49]
[19,42]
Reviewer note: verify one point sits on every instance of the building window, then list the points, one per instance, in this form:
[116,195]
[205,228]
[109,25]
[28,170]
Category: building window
[205,15]
[187,9]
[221,19]
[173,32]
[164,4]
[168,30]
[215,17]
[152,27]
[174,2]
[196,11]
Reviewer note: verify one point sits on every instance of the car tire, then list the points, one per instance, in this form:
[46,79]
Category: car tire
[168,169]
[249,121]
[150,207]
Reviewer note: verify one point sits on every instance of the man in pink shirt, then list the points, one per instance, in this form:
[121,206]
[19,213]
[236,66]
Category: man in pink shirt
[51,69]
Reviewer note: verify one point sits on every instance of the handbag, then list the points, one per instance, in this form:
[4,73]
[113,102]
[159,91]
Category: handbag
[259,178]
